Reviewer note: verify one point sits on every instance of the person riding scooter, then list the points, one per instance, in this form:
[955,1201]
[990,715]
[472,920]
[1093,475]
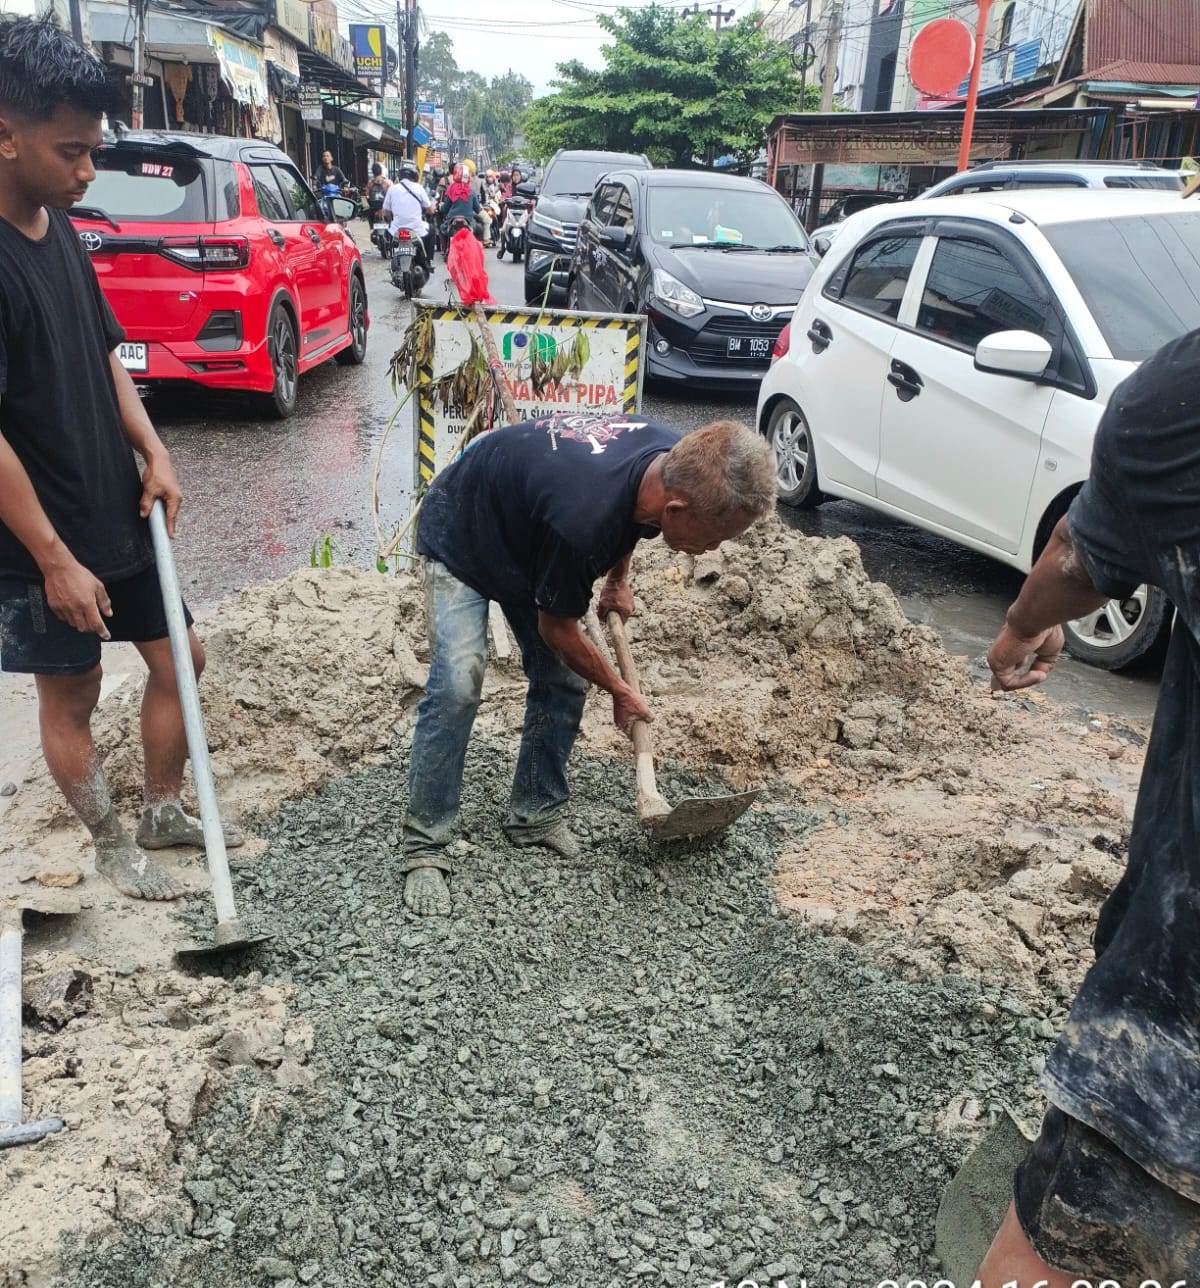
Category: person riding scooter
[405,205]
[458,203]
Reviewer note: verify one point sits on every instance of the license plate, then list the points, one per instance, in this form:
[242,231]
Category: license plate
[749,346]
[406,252]
[133,357]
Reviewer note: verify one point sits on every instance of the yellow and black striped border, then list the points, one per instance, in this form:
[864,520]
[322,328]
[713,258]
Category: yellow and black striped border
[426,432]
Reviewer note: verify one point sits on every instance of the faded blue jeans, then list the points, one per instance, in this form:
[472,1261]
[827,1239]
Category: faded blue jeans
[553,708]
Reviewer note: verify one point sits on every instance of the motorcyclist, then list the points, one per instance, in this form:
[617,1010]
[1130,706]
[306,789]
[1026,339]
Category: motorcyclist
[405,205]
[329,173]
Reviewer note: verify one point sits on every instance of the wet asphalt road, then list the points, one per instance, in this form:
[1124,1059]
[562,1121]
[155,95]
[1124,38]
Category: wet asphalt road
[259,493]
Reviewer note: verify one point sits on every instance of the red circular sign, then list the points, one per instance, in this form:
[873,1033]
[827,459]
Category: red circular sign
[939,58]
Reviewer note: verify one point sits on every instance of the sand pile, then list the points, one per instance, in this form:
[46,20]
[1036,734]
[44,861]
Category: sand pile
[778,653]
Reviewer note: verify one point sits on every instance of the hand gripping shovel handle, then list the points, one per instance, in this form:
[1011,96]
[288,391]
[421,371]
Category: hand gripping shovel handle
[193,718]
[650,803]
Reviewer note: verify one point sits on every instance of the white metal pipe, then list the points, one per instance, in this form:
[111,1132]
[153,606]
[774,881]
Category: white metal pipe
[10,1017]
[193,718]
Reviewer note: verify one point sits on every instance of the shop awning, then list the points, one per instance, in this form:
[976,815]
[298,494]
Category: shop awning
[369,130]
[316,69]
[176,38]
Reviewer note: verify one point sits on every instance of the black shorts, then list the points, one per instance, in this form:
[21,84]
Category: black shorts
[1091,1211]
[35,642]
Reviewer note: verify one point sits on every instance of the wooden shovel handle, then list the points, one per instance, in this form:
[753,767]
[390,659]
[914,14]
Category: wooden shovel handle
[650,802]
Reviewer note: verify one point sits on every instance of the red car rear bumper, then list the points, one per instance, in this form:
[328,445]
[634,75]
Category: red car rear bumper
[246,367]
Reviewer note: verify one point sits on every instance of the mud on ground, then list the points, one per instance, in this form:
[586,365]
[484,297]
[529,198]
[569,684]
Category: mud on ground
[926,845]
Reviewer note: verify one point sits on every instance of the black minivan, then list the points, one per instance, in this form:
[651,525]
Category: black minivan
[716,262]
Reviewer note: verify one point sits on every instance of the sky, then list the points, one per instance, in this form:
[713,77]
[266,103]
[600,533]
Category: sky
[529,36]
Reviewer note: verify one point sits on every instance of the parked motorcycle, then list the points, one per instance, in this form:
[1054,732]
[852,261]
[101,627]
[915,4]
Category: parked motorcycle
[409,267]
[512,230]
[382,240]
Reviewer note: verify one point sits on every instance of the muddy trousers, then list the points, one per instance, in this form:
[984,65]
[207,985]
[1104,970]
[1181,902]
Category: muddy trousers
[553,708]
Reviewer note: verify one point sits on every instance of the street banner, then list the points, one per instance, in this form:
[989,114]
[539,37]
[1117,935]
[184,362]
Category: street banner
[369,42]
[243,68]
[421,135]
[609,384]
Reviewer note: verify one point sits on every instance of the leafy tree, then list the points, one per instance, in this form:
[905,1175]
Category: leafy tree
[438,73]
[495,110]
[671,87]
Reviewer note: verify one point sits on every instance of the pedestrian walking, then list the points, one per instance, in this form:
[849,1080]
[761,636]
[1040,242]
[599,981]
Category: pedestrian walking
[1111,1188]
[76,562]
[530,516]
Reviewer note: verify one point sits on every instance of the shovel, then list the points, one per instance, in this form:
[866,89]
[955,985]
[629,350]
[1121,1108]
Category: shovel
[695,816]
[229,934]
[13,1131]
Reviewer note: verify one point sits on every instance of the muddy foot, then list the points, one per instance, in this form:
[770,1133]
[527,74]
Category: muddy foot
[167,824]
[557,838]
[123,863]
[426,893]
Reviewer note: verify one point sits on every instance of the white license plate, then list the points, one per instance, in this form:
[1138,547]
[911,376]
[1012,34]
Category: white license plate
[752,346]
[133,357]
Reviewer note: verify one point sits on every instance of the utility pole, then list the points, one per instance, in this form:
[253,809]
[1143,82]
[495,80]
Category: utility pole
[833,36]
[411,15]
[964,149]
[138,80]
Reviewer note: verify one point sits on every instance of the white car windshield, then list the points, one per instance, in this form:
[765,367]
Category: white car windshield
[728,218]
[1140,276]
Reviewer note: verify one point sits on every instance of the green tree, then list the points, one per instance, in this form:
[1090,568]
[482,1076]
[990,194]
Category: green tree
[438,73]
[670,87]
[495,110]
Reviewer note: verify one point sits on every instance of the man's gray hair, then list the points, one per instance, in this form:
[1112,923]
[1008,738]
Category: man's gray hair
[722,469]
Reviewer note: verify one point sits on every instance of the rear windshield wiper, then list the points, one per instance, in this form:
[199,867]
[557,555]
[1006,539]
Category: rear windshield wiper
[94,212]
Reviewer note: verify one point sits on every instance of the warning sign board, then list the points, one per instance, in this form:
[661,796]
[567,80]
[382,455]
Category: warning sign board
[610,382]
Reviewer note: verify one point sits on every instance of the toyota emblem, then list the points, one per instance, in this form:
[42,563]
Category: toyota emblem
[761,312]
[91,241]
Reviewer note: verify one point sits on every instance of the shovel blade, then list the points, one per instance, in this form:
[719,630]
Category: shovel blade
[700,816]
[228,937]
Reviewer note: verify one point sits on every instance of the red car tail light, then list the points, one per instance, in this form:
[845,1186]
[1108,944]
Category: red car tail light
[207,254]
[782,340]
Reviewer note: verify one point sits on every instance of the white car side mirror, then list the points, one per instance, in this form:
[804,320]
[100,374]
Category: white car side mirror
[821,245]
[1013,353]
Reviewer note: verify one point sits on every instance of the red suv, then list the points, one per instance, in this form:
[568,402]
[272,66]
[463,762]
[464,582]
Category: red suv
[221,264]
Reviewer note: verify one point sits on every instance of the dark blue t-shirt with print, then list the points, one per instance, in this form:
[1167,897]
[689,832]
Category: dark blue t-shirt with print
[535,513]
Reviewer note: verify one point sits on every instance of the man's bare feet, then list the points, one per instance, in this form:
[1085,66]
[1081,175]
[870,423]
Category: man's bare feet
[122,862]
[426,893]
[169,824]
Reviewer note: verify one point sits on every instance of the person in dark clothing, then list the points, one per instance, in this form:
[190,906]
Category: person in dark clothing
[1111,1188]
[76,563]
[327,173]
[529,517]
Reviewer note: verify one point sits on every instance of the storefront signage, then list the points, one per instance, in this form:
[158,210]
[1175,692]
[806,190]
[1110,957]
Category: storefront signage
[886,150]
[369,43]
[292,16]
[243,68]
[392,109]
[312,106]
[326,40]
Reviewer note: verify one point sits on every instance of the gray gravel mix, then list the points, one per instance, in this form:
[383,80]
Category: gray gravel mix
[629,1071]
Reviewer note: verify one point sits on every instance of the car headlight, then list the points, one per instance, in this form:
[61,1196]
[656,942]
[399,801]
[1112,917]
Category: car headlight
[548,225]
[672,294]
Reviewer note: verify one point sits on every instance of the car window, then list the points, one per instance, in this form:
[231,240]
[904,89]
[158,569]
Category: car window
[1048,181]
[300,199]
[974,290]
[1139,275]
[603,202]
[575,177]
[266,193]
[878,274]
[723,215]
[1169,182]
[149,185]
[622,216]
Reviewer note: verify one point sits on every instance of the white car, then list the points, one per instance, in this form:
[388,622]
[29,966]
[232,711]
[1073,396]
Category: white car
[951,358]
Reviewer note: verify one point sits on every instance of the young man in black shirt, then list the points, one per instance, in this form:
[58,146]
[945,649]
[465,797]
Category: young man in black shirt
[529,517]
[76,563]
[1111,1187]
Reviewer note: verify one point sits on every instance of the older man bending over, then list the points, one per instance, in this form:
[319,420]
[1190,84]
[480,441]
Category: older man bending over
[531,516]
